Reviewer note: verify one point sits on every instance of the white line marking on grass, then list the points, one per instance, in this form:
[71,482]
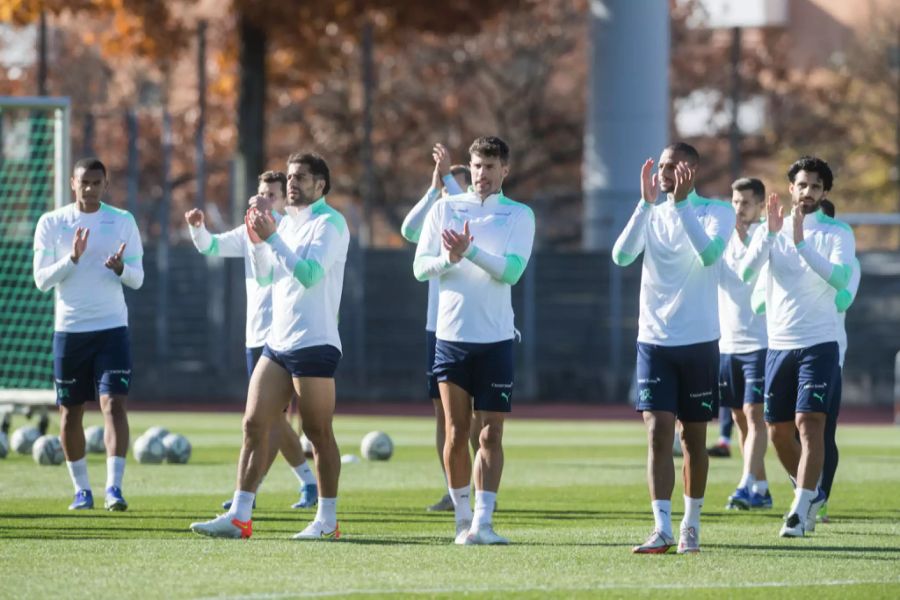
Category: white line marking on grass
[547,588]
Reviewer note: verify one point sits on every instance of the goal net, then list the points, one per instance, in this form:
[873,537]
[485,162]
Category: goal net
[34,167]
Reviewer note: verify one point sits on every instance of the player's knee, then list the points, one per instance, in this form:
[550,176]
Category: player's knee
[781,434]
[254,427]
[458,435]
[661,437]
[70,416]
[491,435]
[112,406]
[319,434]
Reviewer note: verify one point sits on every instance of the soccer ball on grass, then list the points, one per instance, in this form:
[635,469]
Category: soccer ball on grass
[377,445]
[149,450]
[47,450]
[23,439]
[93,438]
[178,448]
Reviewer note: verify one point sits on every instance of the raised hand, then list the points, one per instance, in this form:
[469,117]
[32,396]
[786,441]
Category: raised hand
[436,182]
[79,243]
[254,239]
[649,183]
[684,181]
[260,203]
[797,221]
[114,262]
[457,243]
[262,224]
[194,217]
[774,213]
[441,157]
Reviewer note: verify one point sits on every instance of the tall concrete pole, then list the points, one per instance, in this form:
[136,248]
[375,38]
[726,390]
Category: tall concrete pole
[628,110]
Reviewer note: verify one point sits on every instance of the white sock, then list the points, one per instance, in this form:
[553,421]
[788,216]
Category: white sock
[662,516]
[78,472]
[242,505]
[115,470]
[802,500]
[326,513]
[746,481]
[484,508]
[692,508]
[724,441]
[761,487]
[304,473]
[461,506]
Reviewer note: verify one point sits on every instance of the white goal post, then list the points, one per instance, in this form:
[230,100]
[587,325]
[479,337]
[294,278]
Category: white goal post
[35,157]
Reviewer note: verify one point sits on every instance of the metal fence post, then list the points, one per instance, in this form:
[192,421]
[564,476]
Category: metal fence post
[162,247]
[529,334]
[897,389]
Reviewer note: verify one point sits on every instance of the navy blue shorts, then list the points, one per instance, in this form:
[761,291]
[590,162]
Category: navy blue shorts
[742,379]
[315,361]
[253,355]
[800,381]
[679,379]
[485,371]
[431,380]
[89,363]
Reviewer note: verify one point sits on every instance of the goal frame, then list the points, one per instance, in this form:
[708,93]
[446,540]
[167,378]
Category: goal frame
[61,107]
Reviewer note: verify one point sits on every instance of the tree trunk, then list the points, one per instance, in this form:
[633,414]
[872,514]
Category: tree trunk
[251,110]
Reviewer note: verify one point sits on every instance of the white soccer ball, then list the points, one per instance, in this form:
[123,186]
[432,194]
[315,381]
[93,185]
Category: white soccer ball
[23,439]
[156,432]
[307,446]
[178,448]
[47,450]
[93,438]
[4,445]
[377,445]
[149,450]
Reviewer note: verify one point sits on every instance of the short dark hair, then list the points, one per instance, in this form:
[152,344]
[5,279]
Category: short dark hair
[316,165]
[750,183]
[91,163]
[462,170]
[686,150]
[275,176]
[827,207]
[490,146]
[812,164]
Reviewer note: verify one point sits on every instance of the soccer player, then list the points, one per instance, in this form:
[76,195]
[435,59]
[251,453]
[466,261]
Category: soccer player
[743,349]
[810,258]
[477,245]
[843,300]
[444,182]
[303,258]
[236,244]
[88,250]
[682,238]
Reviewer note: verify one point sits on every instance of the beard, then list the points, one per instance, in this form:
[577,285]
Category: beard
[809,209]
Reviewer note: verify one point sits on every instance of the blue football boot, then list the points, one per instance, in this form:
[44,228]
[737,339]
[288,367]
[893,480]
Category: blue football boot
[84,500]
[309,496]
[114,500]
[739,500]
[758,500]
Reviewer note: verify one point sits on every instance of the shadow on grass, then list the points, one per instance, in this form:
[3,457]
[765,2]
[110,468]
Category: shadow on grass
[850,551]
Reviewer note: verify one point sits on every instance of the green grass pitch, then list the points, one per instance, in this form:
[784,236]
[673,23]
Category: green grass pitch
[573,502]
